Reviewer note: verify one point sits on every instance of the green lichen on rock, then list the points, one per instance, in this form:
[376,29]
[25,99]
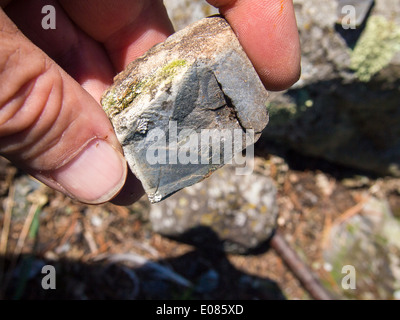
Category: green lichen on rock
[116,101]
[377,46]
[170,69]
[109,101]
[163,75]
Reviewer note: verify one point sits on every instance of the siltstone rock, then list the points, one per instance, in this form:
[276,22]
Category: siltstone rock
[198,79]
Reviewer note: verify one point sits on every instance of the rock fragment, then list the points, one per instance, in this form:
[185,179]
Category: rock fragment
[184,108]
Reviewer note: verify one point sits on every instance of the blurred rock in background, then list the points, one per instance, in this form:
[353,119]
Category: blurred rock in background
[226,212]
[369,242]
[345,108]
[185,12]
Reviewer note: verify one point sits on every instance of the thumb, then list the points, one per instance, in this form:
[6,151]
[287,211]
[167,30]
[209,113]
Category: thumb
[51,127]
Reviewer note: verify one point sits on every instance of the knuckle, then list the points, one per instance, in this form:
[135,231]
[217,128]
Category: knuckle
[18,82]
[25,90]
[34,111]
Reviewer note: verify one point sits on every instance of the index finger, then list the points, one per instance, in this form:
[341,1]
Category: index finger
[126,28]
[267,30]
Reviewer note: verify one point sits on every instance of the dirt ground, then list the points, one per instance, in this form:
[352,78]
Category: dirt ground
[110,252]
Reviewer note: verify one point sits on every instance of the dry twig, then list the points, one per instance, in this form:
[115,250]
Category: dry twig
[88,235]
[350,212]
[25,231]
[306,277]
[7,221]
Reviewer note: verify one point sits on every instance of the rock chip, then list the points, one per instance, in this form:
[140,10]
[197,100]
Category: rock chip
[167,105]
[225,212]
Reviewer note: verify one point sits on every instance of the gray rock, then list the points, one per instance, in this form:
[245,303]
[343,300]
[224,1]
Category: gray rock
[162,105]
[25,188]
[369,242]
[346,106]
[224,212]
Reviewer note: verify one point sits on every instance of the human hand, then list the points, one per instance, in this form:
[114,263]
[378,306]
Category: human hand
[51,123]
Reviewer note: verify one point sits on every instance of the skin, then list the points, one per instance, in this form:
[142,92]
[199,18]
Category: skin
[51,81]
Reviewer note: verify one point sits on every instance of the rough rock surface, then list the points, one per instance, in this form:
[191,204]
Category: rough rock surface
[226,211]
[198,79]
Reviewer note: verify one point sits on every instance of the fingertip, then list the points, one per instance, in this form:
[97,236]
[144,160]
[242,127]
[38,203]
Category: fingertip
[281,76]
[96,175]
[267,30]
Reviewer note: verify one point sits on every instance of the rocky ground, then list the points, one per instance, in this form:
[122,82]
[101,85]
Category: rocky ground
[111,252]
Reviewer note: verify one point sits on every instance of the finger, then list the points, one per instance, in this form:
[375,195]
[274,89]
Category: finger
[81,56]
[53,128]
[268,33]
[126,28]
[78,54]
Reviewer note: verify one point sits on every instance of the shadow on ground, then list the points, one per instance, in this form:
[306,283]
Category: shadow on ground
[204,273]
